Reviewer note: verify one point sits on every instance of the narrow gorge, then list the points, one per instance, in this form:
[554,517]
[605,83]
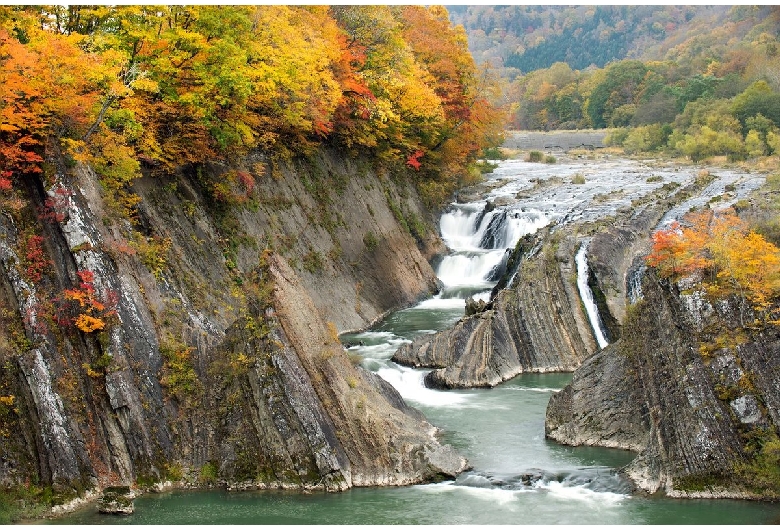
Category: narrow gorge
[274,401]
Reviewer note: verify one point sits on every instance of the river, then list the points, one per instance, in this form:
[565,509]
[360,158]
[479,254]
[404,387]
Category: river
[518,477]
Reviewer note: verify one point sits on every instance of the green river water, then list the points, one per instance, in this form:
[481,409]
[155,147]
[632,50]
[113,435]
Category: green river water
[518,477]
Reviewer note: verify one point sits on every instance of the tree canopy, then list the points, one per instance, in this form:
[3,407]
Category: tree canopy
[166,86]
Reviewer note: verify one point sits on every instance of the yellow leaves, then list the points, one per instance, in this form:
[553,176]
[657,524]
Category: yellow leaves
[88,324]
[145,84]
[184,84]
[742,261]
[8,401]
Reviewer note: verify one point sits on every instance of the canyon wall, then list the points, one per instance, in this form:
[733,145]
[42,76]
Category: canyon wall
[201,346]
[687,387]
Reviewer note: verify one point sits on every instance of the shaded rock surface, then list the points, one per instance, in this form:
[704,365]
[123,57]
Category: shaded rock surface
[219,362]
[535,325]
[671,390]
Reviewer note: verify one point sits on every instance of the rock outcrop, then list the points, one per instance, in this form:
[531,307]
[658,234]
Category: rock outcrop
[688,388]
[201,346]
[535,325]
[535,321]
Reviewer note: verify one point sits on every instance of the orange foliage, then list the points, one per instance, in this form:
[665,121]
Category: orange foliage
[178,85]
[88,324]
[92,311]
[741,261]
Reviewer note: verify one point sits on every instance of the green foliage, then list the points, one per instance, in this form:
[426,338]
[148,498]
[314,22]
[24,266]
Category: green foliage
[535,156]
[26,502]
[762,472]
[208,473]
[178,374]
[313,262]
[646,138]
[757,99]
[370,241]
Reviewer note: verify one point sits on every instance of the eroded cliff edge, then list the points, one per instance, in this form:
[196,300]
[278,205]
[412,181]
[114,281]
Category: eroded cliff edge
[688,388]
[205,351]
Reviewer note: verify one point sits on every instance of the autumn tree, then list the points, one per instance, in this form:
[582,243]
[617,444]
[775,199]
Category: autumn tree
[731,258]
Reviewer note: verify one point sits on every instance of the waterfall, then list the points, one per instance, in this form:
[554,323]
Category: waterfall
[479,235]
[587,295]
[635,283]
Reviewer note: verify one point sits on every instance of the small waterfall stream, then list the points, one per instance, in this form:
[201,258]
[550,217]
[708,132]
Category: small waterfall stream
[587,295]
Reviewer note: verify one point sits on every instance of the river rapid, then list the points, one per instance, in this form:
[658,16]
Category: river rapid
[518,477]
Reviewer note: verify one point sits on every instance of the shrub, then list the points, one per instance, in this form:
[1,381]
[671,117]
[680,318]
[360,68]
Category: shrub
[535,156]
[370,241]
[578,178]
[313,262]
[549,159]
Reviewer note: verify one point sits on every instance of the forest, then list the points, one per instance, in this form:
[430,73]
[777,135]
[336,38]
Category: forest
[139,88]
[694,81]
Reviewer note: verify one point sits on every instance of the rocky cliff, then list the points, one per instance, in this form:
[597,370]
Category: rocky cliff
[535,325]
[201,346]
[688,388]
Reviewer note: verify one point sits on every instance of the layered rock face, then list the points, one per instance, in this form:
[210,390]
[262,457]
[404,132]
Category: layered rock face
[686,387]
[535,325]
[212,356]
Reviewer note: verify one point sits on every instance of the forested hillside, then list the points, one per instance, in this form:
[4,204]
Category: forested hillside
[695,81]
[168,86]
[520,39]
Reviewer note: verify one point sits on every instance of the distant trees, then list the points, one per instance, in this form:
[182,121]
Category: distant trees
[700,82]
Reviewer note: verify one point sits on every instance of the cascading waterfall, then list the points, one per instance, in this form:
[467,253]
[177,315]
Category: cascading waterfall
[479,234]
[587,295]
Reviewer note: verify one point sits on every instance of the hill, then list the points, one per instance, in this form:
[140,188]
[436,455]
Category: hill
[520,39]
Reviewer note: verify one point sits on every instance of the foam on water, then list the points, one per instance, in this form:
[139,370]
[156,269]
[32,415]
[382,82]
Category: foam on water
[469,269]
[443,303]
[582,493]
[494,495]
[459,228]
[409,383]
[532,389]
